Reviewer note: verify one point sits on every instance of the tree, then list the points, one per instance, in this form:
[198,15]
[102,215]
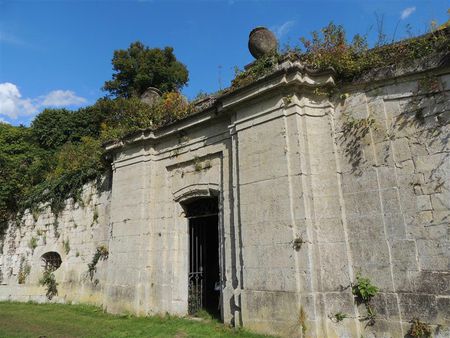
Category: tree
[22,165]
[140,67]
[52,128]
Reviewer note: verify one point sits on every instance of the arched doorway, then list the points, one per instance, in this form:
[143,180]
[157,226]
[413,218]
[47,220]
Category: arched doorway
[204,270]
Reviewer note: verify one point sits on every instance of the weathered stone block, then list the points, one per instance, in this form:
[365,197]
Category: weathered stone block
[430,282]
[415,305]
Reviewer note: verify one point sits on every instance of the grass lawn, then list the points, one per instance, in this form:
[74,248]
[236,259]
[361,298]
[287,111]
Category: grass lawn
[61,320]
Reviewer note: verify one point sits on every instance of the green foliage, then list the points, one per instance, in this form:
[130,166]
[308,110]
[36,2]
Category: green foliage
[22,165]
[419,329]
[32,244]
[125,116]
[95,216]
[24,271]
[101,253]
[302,319]
[53,128]
[371,315]
[64,320]
[50,161]
[49,281]
[66,245]
[75,165]
[329,48]
[261,67]
[339,317]
[140,67]
[364,289]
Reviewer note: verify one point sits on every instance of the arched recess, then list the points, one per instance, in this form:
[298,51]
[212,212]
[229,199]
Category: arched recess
[51,261]
[194,191]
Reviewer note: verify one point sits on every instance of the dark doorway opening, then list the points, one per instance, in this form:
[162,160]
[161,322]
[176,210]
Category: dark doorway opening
[204,275]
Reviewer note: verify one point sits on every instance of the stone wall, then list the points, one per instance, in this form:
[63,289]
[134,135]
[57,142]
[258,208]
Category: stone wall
[75,235]
[313,190]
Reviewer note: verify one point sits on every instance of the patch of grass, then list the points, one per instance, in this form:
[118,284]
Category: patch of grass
[61,320]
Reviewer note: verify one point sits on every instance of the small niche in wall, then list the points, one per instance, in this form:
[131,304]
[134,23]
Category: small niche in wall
[51,261]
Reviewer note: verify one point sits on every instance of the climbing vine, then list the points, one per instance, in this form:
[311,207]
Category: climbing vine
[353,133]
[24,271]
[100,254]
[49,281]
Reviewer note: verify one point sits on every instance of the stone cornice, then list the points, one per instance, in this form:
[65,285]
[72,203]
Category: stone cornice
[290,75]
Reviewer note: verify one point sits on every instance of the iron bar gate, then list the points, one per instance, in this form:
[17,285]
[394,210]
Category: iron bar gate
[203,252]
[196,277]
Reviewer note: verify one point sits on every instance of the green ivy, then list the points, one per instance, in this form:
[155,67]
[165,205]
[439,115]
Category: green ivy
[49,281]
[100,254]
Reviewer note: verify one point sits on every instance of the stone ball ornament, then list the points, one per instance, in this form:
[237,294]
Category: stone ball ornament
[262,42]
[151,96]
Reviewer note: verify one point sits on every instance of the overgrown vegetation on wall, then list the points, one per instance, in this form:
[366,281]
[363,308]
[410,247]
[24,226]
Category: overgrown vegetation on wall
[100,254]
[61,151]
[330,48]
[48,280]
[51,160]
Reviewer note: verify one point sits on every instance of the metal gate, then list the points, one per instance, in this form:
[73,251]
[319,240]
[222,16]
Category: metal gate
[196,277]
[202,215]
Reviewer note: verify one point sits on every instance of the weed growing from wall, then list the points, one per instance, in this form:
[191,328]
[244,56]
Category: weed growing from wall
[302,318]
[419,329]
[364,291]
[339,316]
[24,271]
[32,244]
[66,245]
[330,48]
[100,254]
[258,69]
[49,281]
[95,217]
[298,242]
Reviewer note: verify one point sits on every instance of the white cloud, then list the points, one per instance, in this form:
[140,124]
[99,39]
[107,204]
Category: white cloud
[13,106]
[283,29]
[11,103]
[61,98]
[407,12]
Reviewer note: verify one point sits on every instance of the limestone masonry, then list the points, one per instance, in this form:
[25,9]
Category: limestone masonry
[275,197]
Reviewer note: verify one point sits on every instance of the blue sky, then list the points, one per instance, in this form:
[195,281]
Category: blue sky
[58,53]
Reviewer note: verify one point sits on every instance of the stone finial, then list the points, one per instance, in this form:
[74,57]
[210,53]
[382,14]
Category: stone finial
[262,42]
[151,96]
